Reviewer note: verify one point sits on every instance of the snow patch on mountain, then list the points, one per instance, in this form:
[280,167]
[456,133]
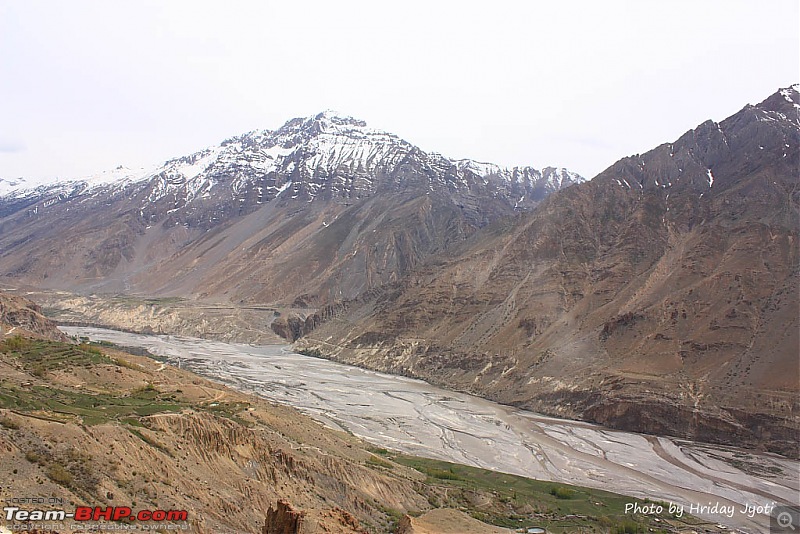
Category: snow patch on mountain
[11,185]
[106,180]
[325,152]
[791,93]
[477,167]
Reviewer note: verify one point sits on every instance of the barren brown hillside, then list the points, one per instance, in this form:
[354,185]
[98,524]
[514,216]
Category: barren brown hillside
[661,296]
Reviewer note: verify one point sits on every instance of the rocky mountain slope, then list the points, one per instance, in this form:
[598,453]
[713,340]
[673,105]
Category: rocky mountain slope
[661,296]
[218,321]
[321,209]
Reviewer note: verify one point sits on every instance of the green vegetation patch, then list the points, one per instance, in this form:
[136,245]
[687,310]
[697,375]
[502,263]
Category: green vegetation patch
[229,410]
[520,501]
[59,474]
[92,408]
[560,492]
[39,356]
[150,441]
[10,424]
[69,467]
[374,461]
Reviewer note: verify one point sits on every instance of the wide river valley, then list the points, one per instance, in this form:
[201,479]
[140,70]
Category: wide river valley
[417,418]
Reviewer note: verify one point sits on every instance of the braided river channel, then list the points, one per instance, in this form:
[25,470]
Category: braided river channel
[414,417]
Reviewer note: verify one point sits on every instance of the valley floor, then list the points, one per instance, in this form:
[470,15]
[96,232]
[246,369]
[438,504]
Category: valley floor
[414,417]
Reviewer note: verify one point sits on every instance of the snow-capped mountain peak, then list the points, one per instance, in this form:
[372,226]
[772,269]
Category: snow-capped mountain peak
[324,156]
[791,94]
[10,185]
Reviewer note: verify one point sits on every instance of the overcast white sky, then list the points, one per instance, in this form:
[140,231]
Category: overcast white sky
[89,85]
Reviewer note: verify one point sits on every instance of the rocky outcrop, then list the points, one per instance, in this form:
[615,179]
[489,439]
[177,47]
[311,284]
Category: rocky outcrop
[295,325]
[20,313]
[727,425]
[404,526]
[284,520]
[224,322]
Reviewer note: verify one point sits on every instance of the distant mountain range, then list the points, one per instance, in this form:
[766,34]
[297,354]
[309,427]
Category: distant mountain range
[268,201]
[661,296]
[323,157]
